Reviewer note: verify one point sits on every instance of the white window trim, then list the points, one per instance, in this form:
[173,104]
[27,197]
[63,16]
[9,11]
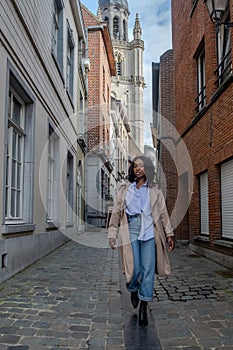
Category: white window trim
[17,84]
[70,62]
[20,133]
[57,35]
[53,190]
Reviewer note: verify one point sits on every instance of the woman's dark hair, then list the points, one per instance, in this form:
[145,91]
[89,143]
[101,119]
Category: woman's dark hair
[148,168]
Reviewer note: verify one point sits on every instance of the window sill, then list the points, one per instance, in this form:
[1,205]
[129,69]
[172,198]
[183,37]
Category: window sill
[222,243]
[202,239]
[69,224]
[17,228]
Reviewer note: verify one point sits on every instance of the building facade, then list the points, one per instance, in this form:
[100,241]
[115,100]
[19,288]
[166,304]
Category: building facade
[43,88]
[202,44]
[128,84]
[98,162]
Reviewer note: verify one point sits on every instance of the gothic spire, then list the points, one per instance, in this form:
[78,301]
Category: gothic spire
[99,15]
[137,31]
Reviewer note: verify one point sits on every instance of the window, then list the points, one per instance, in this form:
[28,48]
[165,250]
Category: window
[204,206]
[119,68]
[108,97]
[57,35]
[116,33]
[69,188]
[70,62]
[53,177]
[119,58]
[201,81]
[18,194]
[227,199]
[224,52]
[104,83]
[82,134]
[79,196]
[124,30]
[15,157]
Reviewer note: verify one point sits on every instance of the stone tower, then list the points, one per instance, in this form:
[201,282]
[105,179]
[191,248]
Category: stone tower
[128,85]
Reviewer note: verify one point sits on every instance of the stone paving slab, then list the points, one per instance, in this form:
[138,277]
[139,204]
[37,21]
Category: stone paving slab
[63,302]
[75,298]
[188,320]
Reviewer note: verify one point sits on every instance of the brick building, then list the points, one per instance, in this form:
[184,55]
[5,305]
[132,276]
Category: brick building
[98,166]
[204,108]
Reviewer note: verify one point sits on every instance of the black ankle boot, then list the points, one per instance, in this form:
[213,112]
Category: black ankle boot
[143,320]
[134,299]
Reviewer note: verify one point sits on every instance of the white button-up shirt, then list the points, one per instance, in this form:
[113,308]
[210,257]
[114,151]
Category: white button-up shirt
[137,201]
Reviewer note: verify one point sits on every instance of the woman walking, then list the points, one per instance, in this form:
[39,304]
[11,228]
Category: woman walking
[141,217]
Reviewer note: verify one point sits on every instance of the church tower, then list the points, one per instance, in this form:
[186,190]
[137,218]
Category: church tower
[128,86]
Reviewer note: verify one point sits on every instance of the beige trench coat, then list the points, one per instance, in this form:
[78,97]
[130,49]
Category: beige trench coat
[118,227]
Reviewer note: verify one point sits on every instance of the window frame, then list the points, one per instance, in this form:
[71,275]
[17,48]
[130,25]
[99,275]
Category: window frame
[69,189]
[14,157]
[224,61]
[70,62]
[201,79]
[57,34]
[24,223]
[53,178]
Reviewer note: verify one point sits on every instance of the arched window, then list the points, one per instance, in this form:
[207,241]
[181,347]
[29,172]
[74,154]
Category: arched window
[116,32]
[119,58]
[119,68]
[124,30]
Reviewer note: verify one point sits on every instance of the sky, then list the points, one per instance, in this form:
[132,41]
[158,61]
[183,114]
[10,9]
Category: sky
[155,19]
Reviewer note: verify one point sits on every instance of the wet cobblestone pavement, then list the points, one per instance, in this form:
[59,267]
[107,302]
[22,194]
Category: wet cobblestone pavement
[75,298]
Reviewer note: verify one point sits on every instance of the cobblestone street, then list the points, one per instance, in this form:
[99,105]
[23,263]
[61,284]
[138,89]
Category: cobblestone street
[75,298]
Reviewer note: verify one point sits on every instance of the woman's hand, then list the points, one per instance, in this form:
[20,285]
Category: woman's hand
[112,242]
[171,243]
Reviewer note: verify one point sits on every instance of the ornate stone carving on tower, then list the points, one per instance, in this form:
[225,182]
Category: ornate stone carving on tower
[128,86]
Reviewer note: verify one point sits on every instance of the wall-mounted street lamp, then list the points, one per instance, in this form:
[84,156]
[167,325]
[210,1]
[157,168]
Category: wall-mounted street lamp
[216,10]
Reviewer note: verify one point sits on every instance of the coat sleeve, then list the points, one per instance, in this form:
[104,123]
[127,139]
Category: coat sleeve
[165,220]
[116,213]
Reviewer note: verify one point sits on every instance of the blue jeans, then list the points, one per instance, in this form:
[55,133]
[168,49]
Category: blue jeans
[144,254]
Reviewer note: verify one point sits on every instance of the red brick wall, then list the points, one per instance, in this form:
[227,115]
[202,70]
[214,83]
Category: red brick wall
[98,109]
[208,137]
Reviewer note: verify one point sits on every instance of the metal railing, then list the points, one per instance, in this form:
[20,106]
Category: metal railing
[201,99]
[224,69]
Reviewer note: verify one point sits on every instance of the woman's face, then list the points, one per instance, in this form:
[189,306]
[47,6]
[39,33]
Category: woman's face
[138,168]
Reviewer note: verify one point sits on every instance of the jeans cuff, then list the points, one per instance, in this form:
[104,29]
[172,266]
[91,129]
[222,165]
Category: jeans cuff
[145,298]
